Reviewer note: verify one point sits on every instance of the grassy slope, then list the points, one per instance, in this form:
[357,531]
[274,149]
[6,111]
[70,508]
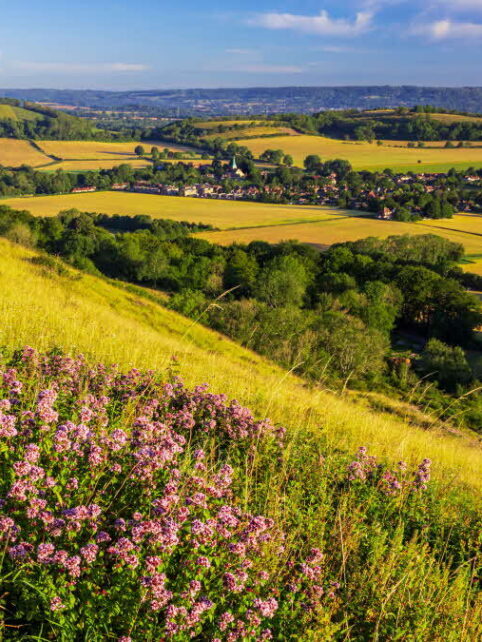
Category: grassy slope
[369,156]
[84,314]
[18,113]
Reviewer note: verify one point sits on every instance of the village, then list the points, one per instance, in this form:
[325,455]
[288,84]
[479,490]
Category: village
[387,195]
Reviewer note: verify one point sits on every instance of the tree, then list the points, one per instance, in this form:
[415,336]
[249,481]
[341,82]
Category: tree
[241,272]
[447,365]
[139,150]
[312,162]
[288,160]
[283,282]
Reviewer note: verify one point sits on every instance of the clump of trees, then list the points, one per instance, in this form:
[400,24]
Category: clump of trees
[329,316]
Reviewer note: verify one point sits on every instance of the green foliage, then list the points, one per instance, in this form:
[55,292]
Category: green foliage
[446,364]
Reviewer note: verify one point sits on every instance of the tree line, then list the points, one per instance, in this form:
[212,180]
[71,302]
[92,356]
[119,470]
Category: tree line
[333,317]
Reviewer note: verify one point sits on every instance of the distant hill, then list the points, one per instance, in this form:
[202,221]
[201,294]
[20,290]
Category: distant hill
[26,120]
[258,100]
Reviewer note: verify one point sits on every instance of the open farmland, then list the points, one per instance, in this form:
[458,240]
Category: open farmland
[338,230]
[87,165]
[252,132]
[14,153]
[221,214]
[370,156]
[94,150]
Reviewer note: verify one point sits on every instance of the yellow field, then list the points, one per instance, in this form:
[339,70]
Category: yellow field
[81,313]
[470,223]
[455,118]
[14,153]
[325,233]
[369,156]
[86,165]
[253,131]
[221,214]
[90,150]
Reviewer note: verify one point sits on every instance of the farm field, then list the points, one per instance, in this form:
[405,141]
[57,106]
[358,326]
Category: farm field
[221,214]
[370,156]
[86,165]
[212,124]
[253,132]
[14,153]
[324,233]
[94,150]
[80,313]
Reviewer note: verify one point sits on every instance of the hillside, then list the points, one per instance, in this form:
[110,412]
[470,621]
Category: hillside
[81,313]
[30,120]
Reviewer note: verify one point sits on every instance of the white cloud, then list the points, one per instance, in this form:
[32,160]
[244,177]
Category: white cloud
[448,29]
[321,24]
[80,68]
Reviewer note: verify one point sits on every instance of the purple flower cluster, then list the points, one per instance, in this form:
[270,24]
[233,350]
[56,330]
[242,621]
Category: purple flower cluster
[366,468]
[108,488]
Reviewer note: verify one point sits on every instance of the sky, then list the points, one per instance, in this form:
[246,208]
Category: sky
[156,44]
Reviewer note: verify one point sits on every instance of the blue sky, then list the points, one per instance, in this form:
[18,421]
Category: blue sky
[121,44]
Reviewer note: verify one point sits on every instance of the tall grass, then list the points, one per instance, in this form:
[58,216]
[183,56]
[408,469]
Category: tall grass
[83,314]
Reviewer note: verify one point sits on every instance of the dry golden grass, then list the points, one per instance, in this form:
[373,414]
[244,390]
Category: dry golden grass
[369,156]
[325,233]
[252,132]
[471,223]
[14,153]
[221,214]
[88,315]
[86,165]
[94,150]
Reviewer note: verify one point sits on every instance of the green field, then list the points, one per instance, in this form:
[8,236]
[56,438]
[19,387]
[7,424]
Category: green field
[220,214]
[370,156]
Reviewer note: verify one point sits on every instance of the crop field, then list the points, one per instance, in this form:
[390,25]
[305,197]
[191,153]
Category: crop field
[221,214]
[337,230]
[86,165]
[253,132]
[14,153]
[94,150]
[470,223]
[370,156]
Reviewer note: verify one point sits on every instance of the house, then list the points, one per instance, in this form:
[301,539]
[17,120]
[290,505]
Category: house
[385,213]
[80,190]
[120,186]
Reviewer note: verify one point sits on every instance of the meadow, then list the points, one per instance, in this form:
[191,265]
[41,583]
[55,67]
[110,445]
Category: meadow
[219,213]
[370,156]
[14,153]
[84,314]
[138,509]
[11,112]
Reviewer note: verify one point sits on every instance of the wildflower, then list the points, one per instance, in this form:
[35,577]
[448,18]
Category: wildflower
[56,604]
[267,608]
